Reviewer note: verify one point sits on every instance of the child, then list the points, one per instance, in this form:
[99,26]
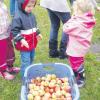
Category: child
[79,28]
[6,48]
[25,32]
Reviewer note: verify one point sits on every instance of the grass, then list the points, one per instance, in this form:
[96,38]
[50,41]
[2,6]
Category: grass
[10,90]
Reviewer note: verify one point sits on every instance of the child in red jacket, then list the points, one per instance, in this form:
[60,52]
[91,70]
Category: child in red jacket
[25,32]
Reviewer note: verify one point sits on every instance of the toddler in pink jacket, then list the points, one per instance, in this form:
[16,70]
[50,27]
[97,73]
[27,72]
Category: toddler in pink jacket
[79,28]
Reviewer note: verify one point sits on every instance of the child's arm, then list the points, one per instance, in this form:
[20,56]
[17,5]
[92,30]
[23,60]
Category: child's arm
[76,26]
[16,28]
[39,36]
[71,27]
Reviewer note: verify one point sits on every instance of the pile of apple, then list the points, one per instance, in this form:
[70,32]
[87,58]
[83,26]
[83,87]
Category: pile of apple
[49,87]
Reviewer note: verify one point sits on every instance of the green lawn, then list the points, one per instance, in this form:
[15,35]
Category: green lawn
[10,90]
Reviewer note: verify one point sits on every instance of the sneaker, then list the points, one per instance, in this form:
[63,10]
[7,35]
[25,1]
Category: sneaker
[13,70]
[6,75]
[80,77]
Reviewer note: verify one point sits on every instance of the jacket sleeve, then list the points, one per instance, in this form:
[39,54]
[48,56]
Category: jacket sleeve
[78,27]
[37,29]
[71,27]
[16,27]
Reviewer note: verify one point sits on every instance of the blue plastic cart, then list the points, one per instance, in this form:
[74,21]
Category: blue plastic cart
[59,69]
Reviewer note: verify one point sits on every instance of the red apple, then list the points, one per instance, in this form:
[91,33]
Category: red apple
[47,89]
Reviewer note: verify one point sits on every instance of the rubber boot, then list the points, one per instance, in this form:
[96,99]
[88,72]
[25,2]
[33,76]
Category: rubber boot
[62,52]
[53,52]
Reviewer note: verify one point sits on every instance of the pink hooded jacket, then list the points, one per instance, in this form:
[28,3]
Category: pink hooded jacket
[80,33]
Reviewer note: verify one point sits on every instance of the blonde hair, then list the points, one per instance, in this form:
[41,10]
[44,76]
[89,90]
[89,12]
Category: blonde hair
[33,1]
[83,6]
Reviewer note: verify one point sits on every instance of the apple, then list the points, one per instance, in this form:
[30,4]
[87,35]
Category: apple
[51,85]
[38,79]
[35,93]
[63,92]
[67,95]
[51,91]
[32,80]
[36,88]
[53,96]
[48,77]
[30,97]
[30,86]
[53,76]
[58,93]
[65,79]
[65,84]
[35,81]
[68,88]
[47,95]
[43,83]
[37,98]
[38,84]
[57,88]
[43,78]
[46,83]
[69,98]
[47,89]
[62,97]
[45,98]
[41,87]
[59,82]
[53,81]
[41,92]
[31,91]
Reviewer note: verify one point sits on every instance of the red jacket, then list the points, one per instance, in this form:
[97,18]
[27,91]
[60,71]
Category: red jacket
[30,36]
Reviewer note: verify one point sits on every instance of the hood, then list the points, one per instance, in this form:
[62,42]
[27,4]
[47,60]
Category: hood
[20,3]
[87,19]
[90,20]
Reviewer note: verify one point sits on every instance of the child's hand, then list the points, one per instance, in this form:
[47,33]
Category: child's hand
[24,43]
[39,37]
